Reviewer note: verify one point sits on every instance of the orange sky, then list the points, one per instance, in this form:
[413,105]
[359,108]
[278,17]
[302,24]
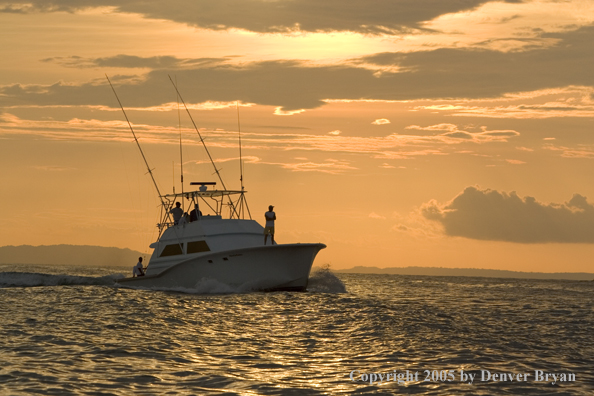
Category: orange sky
[399,133]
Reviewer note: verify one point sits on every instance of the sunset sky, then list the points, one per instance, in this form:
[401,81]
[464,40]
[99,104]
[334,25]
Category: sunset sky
[398,132]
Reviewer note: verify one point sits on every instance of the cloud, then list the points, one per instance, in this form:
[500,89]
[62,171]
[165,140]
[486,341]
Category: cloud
[130,61]
[499,216]
[480,73]
[52,168]
[583,151]
[453,131]
[400,227]
[437,127]
[508,27]
[571,101]
[515,162]
[280,111]
[381,121]
[385,165]
[248,159]
[394,146]
[331,166]
[265,16]
[292,86]
[374,215]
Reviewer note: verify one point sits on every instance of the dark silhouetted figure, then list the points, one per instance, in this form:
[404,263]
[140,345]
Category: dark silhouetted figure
[269,228]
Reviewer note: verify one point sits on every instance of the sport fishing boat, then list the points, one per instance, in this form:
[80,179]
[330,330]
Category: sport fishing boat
[225,247]
[228,250]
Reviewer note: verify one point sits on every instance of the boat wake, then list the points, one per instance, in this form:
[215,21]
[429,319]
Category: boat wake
[322,280]
[32,279]
[203,286]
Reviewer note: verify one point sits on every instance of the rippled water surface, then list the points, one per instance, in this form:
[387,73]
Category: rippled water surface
[72,331]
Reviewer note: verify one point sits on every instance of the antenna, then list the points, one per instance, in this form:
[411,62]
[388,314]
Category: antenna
[150,171]
[240,160]
[242,201]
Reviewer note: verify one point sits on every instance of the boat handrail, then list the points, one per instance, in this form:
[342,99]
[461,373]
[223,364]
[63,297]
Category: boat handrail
[207,217]
[206,194]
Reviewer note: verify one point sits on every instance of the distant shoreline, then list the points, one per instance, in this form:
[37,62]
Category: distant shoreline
[99,256]
[471,272]
[81,255]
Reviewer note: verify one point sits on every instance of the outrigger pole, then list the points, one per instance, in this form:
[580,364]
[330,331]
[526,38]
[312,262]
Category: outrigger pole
[181,158]
[150,171]
[199,135]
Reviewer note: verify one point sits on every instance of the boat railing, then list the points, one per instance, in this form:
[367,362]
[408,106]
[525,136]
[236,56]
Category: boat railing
[166,224]
[214,201]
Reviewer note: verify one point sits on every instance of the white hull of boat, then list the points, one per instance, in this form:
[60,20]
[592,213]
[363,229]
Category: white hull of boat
[273,267]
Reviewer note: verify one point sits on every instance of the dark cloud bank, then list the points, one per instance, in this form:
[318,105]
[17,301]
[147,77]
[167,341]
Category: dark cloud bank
[499,216]
[437,74]
[431,74]
[265,16]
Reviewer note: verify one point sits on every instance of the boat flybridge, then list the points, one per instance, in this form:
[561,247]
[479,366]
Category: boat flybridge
[225,247]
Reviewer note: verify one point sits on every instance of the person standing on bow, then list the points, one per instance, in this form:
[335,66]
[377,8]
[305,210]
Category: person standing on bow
[269,229]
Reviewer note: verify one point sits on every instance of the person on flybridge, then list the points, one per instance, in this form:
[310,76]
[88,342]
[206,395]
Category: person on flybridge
[177,213]
[269,229]
[138,270]
[195,214]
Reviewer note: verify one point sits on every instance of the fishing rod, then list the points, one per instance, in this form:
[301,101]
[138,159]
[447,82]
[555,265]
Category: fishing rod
[181,158]
[199,135]
[150,171]
[240,160]
[203,144]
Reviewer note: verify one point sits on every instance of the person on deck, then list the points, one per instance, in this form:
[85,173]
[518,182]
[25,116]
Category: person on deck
[195,214]
[269,229]
[177,213]
[138,270]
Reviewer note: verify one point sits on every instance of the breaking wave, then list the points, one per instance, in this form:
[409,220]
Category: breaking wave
[323,280]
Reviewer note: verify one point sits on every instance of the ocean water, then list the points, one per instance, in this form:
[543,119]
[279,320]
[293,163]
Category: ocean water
[72,331]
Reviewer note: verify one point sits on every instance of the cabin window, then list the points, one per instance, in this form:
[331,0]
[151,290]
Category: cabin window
[198,247]
[171,250]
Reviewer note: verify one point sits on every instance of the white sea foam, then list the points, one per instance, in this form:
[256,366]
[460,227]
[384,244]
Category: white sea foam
[29,279]
[323,280]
